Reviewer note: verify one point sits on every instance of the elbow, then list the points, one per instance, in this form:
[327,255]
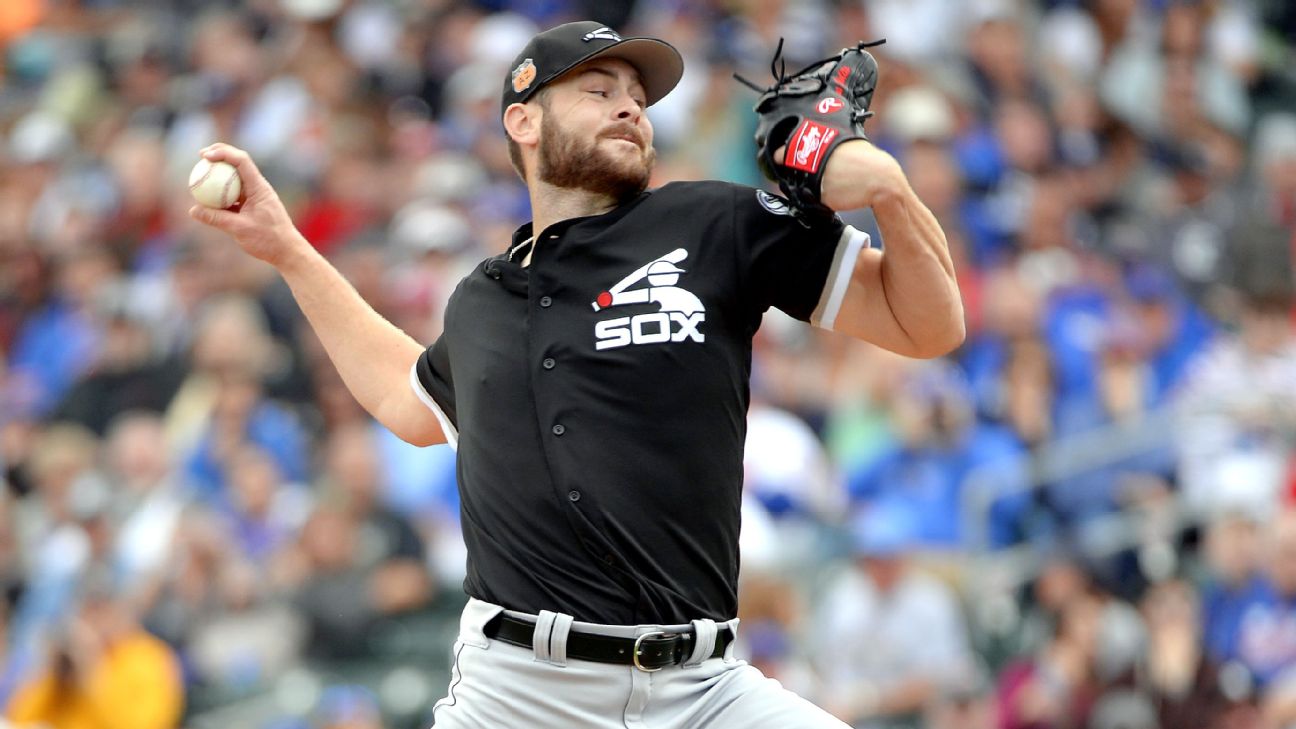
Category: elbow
[949,338]
[409,419]
[422,440]
[957,333]
[421,437]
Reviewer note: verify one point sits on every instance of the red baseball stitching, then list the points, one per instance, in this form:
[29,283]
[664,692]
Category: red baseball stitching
[226,189]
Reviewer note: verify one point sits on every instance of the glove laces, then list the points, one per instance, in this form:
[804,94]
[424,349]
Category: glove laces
[778,69]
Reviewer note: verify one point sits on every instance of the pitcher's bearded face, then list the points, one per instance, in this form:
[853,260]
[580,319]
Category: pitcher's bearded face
[594,134]
[615,161]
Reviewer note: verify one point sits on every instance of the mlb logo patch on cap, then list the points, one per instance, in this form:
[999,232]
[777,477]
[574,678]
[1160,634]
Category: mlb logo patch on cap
[523,75]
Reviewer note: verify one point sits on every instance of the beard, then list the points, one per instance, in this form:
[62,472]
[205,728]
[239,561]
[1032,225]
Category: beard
[570,161]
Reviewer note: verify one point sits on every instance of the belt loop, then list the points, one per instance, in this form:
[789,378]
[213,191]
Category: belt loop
[704,638]
[558,639]
[733,630]
[476,614]
[540,637]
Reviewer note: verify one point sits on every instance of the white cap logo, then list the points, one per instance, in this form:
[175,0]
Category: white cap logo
[604,33]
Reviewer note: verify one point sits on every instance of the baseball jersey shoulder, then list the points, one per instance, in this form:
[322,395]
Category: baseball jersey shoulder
[702,200]
[798,263]
[694,191]
[743,207]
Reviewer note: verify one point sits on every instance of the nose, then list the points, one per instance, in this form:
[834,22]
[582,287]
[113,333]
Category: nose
[629,110]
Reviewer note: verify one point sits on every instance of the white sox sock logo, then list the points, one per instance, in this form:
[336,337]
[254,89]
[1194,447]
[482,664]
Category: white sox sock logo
[679,308]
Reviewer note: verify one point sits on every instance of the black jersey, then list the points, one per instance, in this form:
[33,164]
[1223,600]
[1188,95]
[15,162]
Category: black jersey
[598,397]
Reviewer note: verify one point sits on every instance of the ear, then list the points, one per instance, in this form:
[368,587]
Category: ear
[522,122]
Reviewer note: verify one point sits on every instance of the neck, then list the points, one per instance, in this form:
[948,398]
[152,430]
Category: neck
[551,205]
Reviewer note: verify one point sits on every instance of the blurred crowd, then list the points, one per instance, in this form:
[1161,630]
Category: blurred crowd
[1080,519]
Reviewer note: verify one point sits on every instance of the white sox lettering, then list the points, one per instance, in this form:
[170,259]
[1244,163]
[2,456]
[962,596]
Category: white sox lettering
[677,320]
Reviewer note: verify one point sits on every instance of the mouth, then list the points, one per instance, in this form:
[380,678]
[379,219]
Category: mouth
[632,139]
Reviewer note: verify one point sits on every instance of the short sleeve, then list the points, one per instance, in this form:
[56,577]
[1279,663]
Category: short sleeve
[800,267]
[430,378]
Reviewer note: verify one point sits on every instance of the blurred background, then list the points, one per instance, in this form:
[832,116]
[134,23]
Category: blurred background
[1081,519]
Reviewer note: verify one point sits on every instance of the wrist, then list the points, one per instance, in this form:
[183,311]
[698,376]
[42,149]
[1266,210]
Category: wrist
[861,175]
[295,252]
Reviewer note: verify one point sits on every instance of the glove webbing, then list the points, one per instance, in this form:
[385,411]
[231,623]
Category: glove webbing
[778,69]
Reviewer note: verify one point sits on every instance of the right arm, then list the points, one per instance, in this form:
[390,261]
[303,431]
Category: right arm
[372,355]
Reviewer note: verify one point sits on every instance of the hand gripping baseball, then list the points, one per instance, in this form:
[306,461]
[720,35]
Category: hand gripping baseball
[259,222]
[806,115]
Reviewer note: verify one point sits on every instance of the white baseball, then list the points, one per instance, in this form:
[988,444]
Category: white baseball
[215,184]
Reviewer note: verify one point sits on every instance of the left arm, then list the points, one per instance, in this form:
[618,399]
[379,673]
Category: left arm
[905,298]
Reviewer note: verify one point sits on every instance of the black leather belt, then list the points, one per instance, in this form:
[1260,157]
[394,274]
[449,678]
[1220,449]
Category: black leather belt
[648,652]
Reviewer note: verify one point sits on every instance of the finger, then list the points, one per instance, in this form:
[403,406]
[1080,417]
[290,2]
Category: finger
[221,219]
[252,179]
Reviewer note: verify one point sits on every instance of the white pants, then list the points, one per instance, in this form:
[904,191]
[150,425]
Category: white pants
[497,685]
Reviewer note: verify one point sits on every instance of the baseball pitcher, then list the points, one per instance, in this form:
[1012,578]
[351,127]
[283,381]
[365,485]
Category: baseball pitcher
[594,377]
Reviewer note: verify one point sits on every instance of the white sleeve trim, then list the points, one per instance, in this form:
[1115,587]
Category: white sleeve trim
[848,247]
[451,433]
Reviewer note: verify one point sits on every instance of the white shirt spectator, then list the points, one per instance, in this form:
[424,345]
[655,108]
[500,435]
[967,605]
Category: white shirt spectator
[913,632]
[1237,406]
[889,634]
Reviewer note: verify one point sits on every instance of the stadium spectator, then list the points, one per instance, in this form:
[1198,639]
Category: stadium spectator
[1265,642]
[1174,675]
[1232,556]
[889,634]
[245,634]
[103,670]
[223,404]
[1057,687]
[940,445]
[1239,406]
[149,498]
[128,373]
[964,702]
[353,478]
[346,594]
[787,472]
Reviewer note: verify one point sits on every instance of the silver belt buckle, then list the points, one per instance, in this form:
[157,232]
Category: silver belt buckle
[638,650]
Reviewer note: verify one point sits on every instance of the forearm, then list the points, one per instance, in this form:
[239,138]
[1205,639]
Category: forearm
[918,273]
[905,298]
[373,357]
[371,354]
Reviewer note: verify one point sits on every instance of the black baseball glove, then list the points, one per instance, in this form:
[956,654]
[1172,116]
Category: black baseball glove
[808,114]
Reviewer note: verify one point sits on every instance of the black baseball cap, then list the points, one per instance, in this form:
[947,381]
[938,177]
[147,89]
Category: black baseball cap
[556,51]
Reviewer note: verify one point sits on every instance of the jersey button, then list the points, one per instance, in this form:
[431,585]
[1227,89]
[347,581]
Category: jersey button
[546,302]
[573,496]
[609,558]
[559,429]
[548,363]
